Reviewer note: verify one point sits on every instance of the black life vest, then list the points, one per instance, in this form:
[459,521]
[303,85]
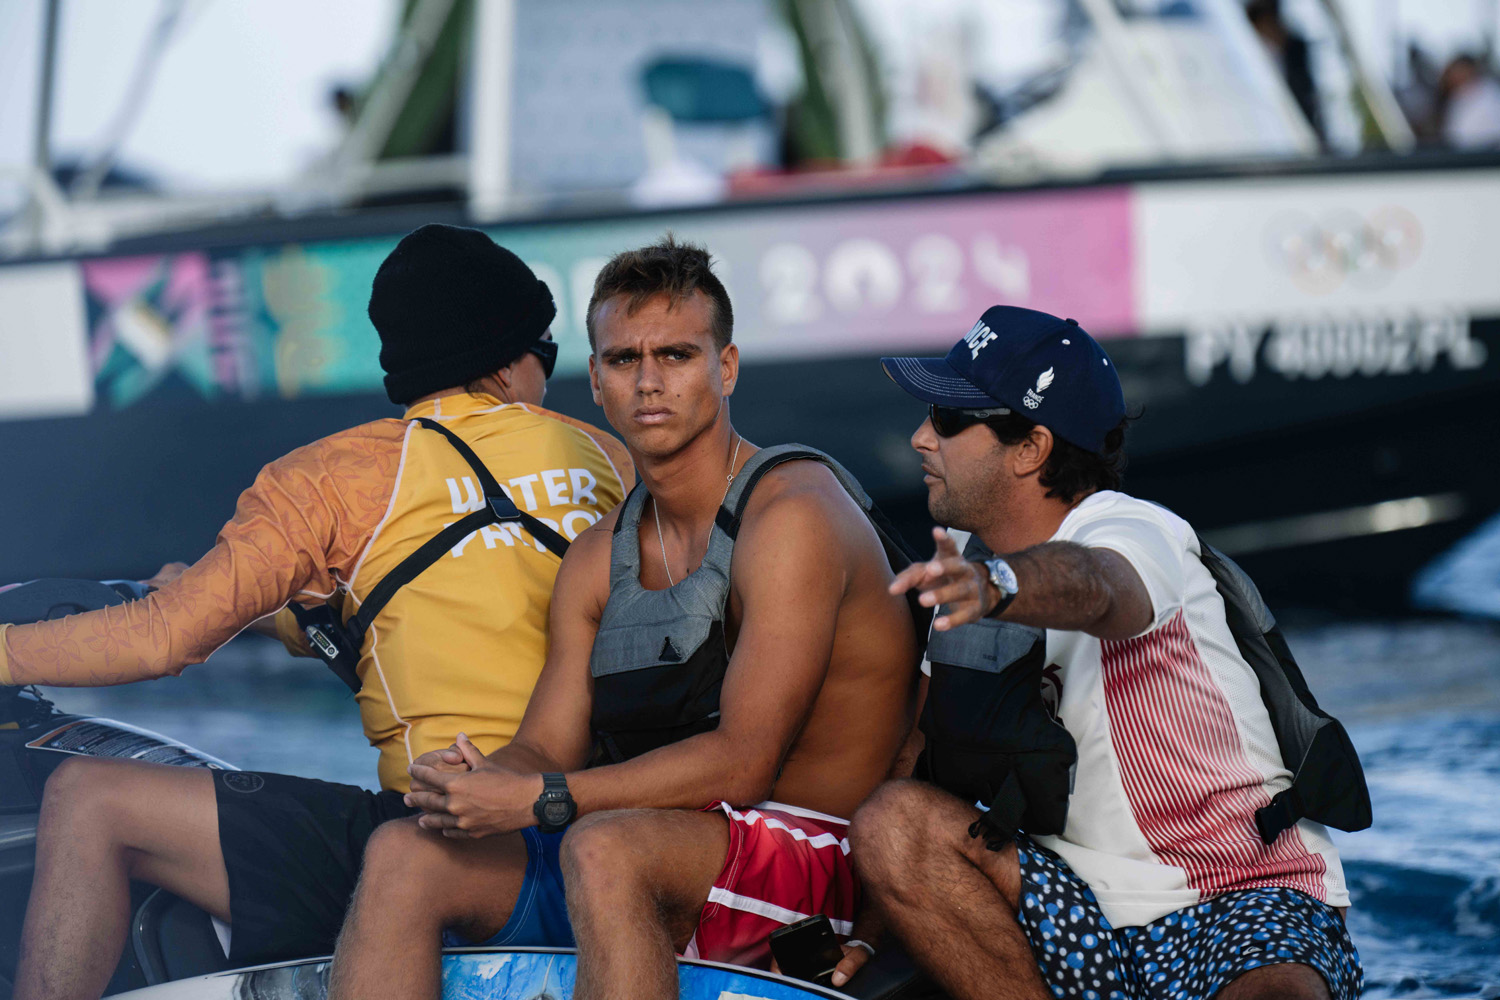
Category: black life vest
[992,739]
[1328,783]
[659,657]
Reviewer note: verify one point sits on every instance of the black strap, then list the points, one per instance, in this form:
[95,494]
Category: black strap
[730,520]
[999,824]
[1284,812]
[498,508]
[498,500]
[487,482]
[412,566]
[330,641]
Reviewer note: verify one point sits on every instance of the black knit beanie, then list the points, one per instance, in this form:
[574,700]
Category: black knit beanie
[451,306]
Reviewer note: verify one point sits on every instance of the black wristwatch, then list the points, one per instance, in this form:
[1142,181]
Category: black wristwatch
[1004,580]
[555,807]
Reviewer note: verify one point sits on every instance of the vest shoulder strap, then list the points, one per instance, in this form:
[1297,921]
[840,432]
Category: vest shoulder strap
[711,589]
[731,513]
[336,643]
[498,507]
[625,539]
[1328,782]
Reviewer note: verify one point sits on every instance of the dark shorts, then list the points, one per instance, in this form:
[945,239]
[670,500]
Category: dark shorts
[1192,953]
[292,848]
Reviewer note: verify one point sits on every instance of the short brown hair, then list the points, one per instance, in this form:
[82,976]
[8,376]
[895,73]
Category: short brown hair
[669,268]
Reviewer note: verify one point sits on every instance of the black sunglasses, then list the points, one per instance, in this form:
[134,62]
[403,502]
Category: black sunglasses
[950,420]
[547,351]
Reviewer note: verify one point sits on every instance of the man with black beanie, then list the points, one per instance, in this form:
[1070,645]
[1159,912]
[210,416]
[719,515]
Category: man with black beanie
[451,306]
[465,345]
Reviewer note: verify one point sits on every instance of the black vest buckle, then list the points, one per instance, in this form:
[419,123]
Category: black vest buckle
[504,508]
[1271,821]
[1000,824]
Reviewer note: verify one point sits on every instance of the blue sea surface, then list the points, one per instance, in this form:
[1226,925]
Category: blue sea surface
[1421,700]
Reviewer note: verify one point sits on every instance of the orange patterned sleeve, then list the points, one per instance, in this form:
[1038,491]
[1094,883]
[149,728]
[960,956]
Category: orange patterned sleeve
[300,527]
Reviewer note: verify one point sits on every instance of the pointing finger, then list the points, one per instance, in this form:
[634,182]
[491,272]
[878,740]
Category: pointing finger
[947,548]
[907,578]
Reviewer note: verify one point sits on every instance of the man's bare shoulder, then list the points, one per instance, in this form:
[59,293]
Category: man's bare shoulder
[803,495]
[586,566]
[605,526]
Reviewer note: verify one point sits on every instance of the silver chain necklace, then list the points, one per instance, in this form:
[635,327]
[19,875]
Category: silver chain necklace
[656,511]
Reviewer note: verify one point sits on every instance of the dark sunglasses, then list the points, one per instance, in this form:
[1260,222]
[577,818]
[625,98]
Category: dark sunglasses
[949,420]
[547,351]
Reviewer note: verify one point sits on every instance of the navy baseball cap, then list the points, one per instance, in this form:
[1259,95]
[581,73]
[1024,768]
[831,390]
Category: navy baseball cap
[1049,370]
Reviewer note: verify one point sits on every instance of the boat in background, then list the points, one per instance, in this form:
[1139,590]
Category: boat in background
[1315,347]
[1314,342]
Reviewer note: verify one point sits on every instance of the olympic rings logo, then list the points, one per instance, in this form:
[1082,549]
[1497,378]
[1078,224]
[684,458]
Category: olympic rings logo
[1366,252]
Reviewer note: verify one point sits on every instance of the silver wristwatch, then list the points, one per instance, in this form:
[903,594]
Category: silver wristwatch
[1004,579]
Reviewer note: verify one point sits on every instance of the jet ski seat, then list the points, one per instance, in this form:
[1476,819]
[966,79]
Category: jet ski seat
[173,939]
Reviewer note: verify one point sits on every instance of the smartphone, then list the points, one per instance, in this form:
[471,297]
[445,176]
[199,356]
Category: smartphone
[807,950]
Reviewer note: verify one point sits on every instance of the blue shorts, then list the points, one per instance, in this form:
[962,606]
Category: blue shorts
[540,919]
[1192,953]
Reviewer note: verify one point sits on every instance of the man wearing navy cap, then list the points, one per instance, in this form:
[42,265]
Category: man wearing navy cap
[1086,694]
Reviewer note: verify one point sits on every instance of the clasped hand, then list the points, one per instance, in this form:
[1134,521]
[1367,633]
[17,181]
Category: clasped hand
[464,795]
[948,578]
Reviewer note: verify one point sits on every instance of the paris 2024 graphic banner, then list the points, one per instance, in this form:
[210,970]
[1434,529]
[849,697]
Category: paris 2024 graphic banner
[1357,276]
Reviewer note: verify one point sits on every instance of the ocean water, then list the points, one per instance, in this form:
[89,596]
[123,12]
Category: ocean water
[1421,700]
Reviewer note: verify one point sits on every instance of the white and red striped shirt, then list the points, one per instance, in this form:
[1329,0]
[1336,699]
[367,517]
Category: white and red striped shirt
[1175,745]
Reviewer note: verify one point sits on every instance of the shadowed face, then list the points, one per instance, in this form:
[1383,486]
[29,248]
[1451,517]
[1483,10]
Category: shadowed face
[657,373]
[528,378]
[966,475]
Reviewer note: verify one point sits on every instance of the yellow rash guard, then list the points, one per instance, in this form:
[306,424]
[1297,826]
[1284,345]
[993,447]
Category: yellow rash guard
[458,649]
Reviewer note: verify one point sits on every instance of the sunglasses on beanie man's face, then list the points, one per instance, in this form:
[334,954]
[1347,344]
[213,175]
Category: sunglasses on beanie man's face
[546,350]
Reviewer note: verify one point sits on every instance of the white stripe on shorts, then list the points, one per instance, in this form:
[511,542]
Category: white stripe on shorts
[770,911]
[753,816]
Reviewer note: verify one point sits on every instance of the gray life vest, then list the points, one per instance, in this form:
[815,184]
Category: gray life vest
[659,656]
[990,737]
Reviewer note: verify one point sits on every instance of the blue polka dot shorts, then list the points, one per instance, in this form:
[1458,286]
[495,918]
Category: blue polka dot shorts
[1187,955]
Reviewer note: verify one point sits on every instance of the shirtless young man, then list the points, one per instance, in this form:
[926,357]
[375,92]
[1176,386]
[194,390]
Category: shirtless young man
[666,854]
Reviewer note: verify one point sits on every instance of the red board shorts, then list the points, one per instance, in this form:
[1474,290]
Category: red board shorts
[784,863]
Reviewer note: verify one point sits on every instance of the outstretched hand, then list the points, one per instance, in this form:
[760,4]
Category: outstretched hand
[948,578]
[478,800]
